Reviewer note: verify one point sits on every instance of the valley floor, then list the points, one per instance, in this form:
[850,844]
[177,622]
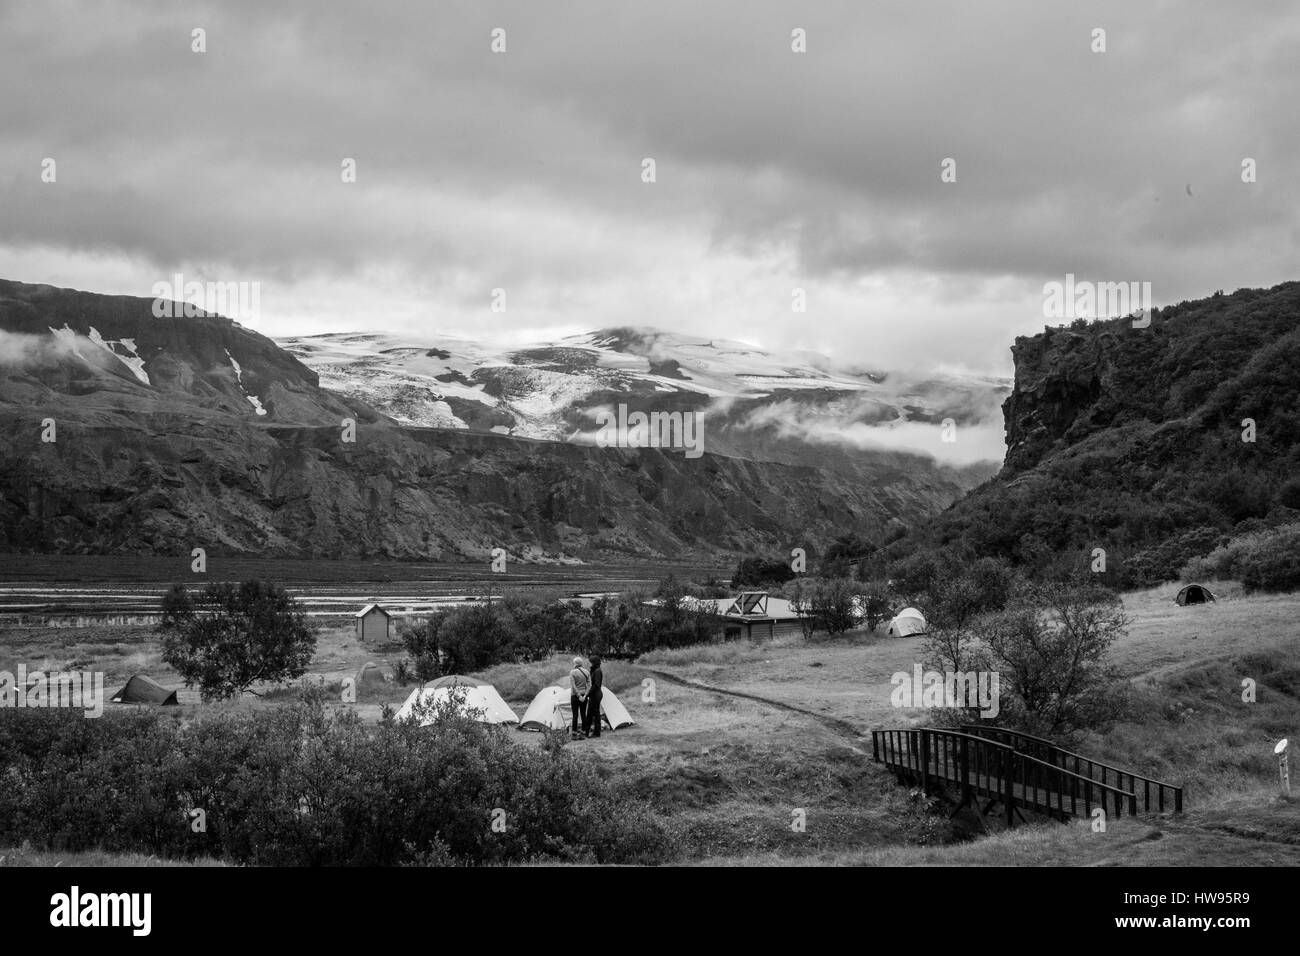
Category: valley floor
[735,742]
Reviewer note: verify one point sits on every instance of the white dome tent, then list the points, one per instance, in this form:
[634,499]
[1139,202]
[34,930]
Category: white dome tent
[908,623]
[551,710]
[478,697]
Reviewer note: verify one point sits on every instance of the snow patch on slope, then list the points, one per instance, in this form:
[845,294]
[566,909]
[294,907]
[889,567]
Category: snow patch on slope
[239,377]
[124,350]
[131,359]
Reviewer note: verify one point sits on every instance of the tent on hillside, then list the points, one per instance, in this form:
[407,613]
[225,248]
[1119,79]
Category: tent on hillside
[1194,594]
[551,709]
[370,673]
[908,622]
[144,690]
[478,696]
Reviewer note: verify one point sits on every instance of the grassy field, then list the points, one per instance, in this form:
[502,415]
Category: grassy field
[735,743]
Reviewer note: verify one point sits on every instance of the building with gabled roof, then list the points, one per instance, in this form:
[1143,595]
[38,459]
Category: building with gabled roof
[373,623]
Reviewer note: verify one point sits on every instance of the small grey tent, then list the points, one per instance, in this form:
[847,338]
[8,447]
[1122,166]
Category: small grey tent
[1194,594]
[144,690]
[370,673]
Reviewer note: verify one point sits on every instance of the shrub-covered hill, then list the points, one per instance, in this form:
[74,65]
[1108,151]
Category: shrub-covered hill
[1133,440]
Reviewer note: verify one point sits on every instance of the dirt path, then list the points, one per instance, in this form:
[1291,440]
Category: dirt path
[839,727]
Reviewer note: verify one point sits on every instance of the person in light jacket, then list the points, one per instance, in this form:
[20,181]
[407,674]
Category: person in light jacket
[579,687]
[591,725]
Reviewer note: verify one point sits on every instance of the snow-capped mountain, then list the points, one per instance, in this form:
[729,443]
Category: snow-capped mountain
[552,390]
[176,433]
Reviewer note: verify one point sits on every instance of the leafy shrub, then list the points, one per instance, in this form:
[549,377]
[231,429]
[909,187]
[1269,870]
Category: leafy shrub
[832,605]
[301,785]
[522,630]
[1266,560]
[1273,565]
[760,572]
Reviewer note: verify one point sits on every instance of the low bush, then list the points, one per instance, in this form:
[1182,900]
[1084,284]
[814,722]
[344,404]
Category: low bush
[1265,560]
[522,630]
[303,785]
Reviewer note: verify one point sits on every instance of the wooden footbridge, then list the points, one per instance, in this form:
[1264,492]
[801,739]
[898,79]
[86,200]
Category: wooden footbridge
[1019,771]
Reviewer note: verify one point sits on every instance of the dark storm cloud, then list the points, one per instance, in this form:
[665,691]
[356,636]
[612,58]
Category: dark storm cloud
[819,170]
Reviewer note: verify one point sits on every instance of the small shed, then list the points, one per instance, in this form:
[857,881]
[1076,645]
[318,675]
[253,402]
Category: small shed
[372,623]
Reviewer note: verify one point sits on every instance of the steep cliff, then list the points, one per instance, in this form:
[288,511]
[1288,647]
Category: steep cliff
[1150,443]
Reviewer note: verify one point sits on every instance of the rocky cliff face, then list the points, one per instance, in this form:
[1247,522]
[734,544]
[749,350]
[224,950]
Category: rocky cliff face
[171,434]
[1150,443]
[1060,378]
[1198,365]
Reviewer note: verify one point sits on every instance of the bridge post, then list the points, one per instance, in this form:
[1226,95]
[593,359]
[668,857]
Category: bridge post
[965,770]
[1009,787]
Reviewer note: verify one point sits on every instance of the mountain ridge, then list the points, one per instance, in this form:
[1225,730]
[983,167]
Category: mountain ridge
[181,457]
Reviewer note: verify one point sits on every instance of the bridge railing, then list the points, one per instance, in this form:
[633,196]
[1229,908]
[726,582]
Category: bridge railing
[1153,796]
[984,767]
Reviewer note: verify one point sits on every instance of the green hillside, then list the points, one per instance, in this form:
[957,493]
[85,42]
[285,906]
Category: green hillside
[1132,440]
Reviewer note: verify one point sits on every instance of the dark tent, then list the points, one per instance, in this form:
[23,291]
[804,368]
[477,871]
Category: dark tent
[1194,594]
[143,690]
[370,673]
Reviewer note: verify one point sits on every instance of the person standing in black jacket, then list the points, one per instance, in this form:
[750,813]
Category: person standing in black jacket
[591,723]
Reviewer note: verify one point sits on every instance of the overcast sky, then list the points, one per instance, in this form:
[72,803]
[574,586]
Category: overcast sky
[522,170]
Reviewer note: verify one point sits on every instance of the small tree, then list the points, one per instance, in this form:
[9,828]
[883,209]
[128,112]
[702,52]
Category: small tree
[1050,647]
[233,635]
[800,594]
[876,604]
[958,597]
[953,606]
[834,604]
[476,636]
[421,642]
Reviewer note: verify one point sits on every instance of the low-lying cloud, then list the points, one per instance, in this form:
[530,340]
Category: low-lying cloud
[23,349]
